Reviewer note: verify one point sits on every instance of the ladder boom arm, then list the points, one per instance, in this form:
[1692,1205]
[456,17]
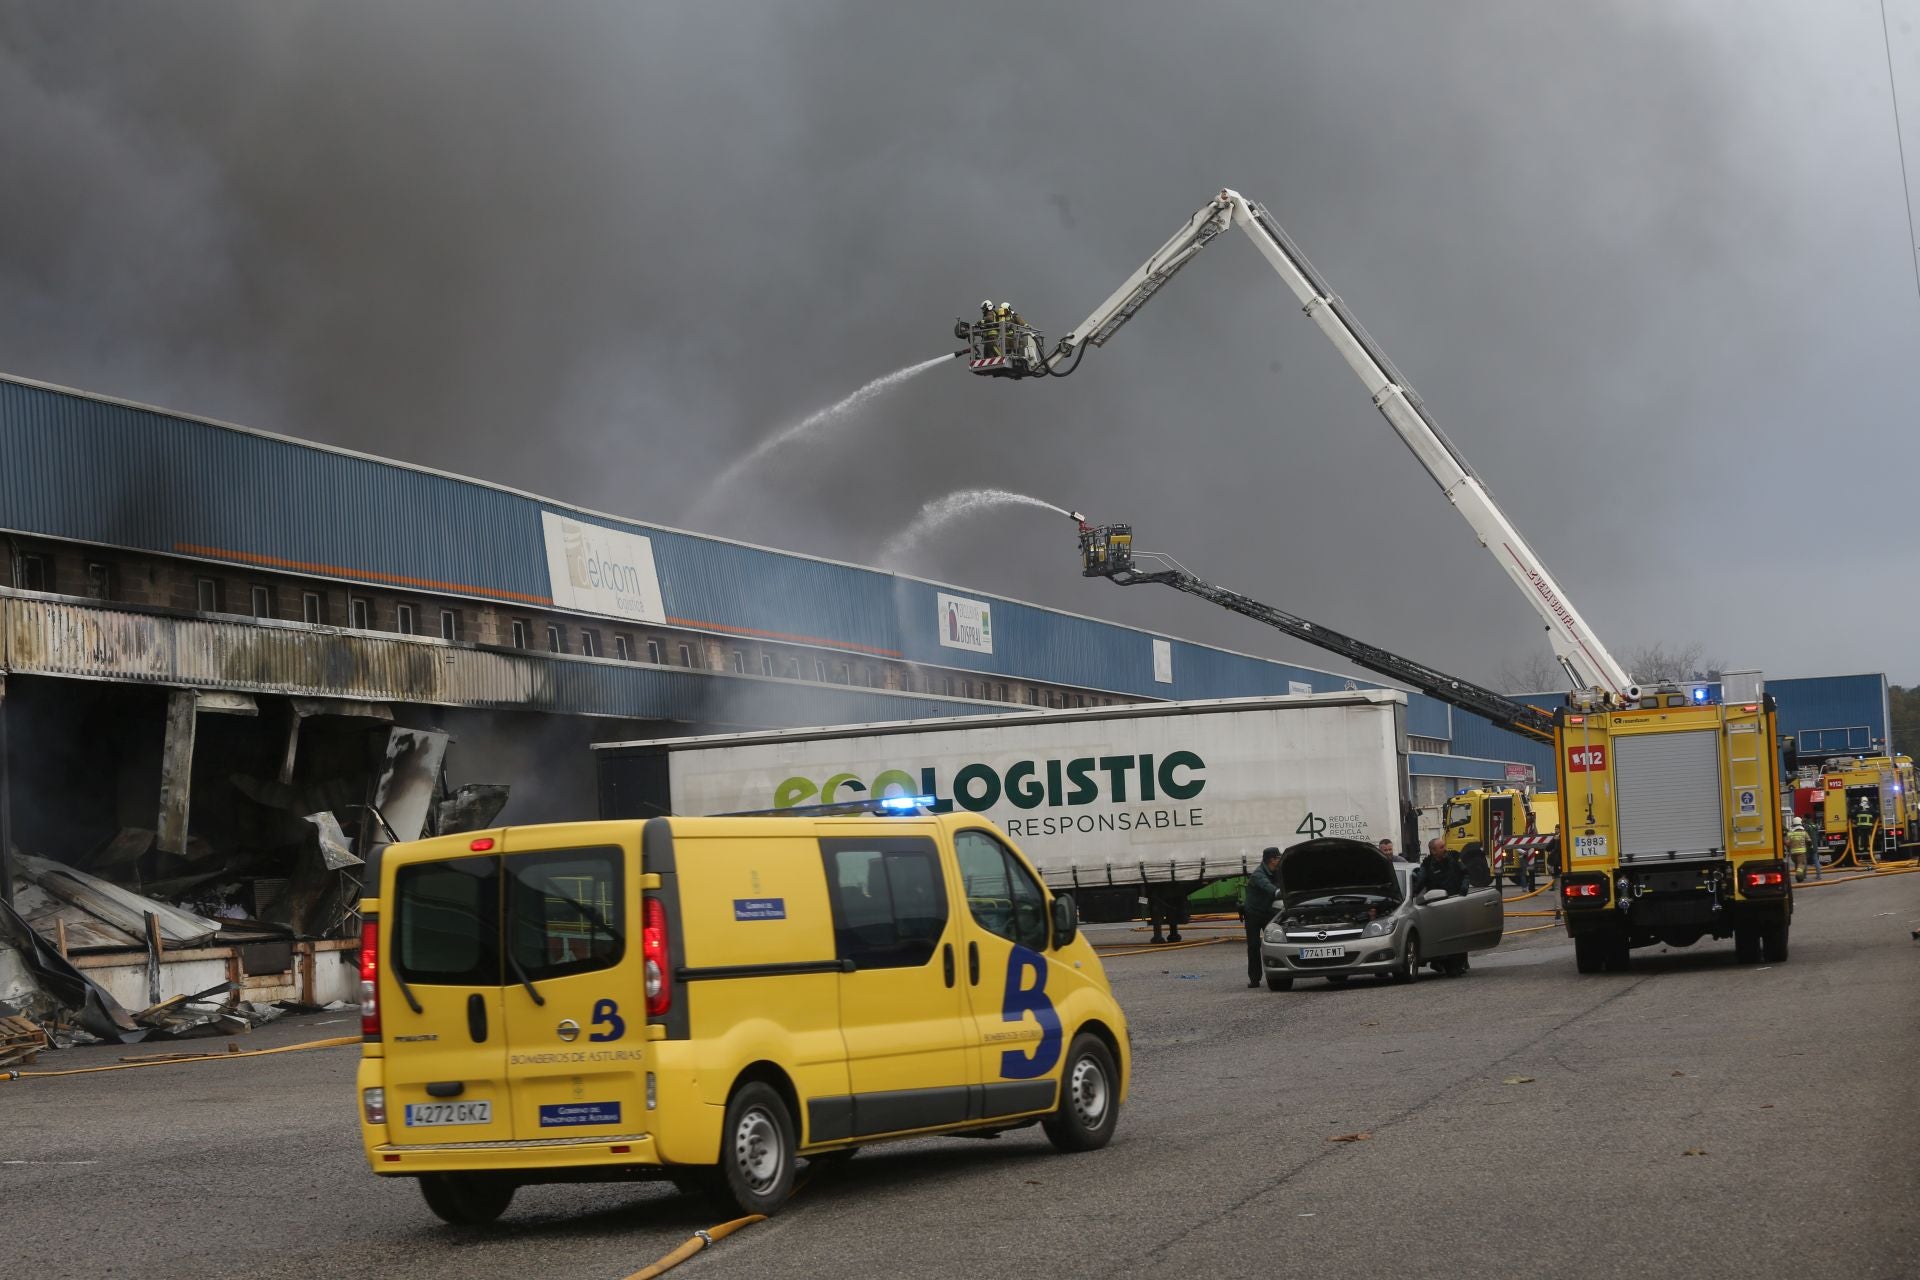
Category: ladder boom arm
[1575,646]
[1507,713]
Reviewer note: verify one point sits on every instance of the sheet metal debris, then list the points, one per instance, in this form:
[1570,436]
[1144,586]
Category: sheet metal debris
[122,909]
[58,986]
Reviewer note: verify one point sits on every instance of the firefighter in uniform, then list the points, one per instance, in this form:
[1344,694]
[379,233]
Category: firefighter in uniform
[1863,833]
[988,346]
[1013,331]
[1798,846]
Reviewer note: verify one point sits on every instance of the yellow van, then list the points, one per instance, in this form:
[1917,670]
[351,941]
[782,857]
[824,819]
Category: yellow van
[710,999]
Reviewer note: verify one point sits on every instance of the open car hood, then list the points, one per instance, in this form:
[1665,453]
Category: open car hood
[1317,868]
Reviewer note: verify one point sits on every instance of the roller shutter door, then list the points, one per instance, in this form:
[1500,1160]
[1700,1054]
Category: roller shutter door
[1668,795]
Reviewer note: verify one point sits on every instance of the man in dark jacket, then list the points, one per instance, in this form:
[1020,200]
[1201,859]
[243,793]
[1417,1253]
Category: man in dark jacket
[1256,909]
[1440,870]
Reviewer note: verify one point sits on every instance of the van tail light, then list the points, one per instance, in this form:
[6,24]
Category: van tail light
[653,951]
[370,979]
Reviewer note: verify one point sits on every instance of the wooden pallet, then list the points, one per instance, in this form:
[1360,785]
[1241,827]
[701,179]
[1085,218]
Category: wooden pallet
[20,1041]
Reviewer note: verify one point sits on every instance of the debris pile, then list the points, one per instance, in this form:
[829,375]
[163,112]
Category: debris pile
[277,876]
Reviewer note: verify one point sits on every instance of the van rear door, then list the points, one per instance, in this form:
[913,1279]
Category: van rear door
[572,988]
[444,1062]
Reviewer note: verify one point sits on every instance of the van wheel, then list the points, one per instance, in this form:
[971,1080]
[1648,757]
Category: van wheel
[1089,1098]
[466,1199]
[756,1149]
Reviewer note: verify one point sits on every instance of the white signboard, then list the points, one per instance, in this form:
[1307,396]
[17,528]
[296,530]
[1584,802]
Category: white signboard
[1296,687]
[594,569]
[966,624]
[1163,661]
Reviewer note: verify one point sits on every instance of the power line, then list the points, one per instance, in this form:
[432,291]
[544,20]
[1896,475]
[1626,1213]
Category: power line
[1906,188]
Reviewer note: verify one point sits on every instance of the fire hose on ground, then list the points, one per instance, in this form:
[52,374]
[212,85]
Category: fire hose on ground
[696,1242]
[332,1043]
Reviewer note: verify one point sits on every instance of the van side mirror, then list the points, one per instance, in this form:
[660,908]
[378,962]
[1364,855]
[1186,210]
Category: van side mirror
[1066,920]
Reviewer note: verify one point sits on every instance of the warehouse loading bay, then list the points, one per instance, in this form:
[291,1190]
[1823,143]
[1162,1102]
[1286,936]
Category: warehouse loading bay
[1745,1120]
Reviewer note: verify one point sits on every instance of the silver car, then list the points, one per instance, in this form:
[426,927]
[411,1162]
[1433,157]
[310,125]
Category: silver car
[1345,909]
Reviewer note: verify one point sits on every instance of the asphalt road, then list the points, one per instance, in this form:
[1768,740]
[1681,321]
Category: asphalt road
[1691,1118]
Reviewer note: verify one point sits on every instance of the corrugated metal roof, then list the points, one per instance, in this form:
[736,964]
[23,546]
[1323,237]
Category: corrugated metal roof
[102,471]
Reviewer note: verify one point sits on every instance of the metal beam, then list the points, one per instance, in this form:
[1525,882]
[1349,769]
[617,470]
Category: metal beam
[6,802]
[176,771]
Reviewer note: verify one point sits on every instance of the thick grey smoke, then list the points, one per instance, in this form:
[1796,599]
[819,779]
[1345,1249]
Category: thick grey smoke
[1647,265]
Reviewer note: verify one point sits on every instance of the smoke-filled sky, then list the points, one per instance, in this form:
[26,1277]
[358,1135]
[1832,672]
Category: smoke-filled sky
[1649,265]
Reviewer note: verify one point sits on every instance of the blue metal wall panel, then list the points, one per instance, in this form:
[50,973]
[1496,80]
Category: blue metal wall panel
[1833,713]
[92,470]
[1423,764]
[1430,717]
[1473,736]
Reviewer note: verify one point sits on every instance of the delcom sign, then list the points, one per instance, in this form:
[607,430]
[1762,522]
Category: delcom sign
[1025,784]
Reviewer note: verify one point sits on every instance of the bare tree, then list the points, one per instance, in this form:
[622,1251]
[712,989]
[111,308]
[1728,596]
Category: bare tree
[1535,673]
[1656,662]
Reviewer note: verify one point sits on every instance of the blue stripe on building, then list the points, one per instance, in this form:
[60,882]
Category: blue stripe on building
[94,470]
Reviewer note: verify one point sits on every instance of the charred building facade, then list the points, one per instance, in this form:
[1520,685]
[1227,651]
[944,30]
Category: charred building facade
[231,660]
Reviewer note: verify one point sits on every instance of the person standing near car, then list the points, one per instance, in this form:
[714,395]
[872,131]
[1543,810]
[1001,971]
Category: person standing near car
[1386,851]
[1439,870]
[1256,909]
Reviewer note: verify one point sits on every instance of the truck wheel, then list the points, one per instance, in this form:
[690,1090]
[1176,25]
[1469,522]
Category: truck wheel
[756,1149]
[1589,953]
[1279,984]
[1773,942]
[1746,944]
[1089,1098]
[1409,960]
[1619,956]
[466,1199]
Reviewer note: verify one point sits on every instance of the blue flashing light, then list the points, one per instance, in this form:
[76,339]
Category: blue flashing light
[1699,693]
[906,804]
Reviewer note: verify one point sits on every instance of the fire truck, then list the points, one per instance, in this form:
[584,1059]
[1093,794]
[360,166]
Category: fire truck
[1670,810]
[1519,832]
[1883,787]
[1671,826]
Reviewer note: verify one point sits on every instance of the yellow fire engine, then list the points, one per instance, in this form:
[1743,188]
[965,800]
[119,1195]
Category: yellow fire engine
[1671,825]
[1882,787]
[1516,830]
